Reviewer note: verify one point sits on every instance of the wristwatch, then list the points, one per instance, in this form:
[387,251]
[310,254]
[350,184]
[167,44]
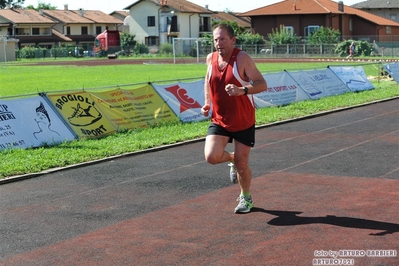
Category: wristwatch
[245,90]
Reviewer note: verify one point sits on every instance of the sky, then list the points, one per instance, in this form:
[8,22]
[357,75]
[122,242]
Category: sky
[107,6]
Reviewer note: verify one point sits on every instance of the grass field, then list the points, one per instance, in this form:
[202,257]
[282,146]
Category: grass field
[17,80]
[21,79]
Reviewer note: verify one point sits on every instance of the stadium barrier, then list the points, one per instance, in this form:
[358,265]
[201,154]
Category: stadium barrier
[51,118]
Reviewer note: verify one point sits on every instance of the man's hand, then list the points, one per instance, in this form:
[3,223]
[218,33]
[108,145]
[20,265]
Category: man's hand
[205,109]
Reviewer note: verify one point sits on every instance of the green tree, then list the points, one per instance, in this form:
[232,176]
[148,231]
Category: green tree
[282,36]
[362,48]
[242,35]
[325,36]
[13,3]
[42,5]
[237,29]
[127,42]
[249,38]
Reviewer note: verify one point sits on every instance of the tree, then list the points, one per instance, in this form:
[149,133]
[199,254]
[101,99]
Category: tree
[362,48]
[237,29]
[249,38]
[282,36]
[13,3]
[325,36]
[127,42]
[42,5]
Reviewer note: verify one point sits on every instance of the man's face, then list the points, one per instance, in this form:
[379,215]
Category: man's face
[223,43]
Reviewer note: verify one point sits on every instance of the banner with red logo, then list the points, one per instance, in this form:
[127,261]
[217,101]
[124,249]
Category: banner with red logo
[185,99]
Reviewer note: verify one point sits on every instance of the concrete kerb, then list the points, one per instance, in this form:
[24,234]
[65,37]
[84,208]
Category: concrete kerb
[163,147]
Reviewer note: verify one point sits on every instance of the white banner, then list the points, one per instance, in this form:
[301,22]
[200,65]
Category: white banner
[354,77]
[30,122]
[319,83]
[393,70]
[281,89]
[185,99]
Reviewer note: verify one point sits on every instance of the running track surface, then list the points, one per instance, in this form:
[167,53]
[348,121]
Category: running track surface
[320,185]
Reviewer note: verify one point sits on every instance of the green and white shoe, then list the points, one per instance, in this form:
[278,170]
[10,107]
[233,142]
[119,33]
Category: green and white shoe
[245,204]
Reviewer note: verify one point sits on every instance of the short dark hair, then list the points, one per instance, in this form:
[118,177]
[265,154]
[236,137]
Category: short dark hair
[227,27]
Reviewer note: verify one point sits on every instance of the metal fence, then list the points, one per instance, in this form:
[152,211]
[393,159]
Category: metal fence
[387,48]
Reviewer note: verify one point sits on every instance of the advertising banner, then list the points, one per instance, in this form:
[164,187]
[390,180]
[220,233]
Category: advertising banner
[185,99]
[393,70]
[282,89]
[30,122]
[319,83]
[128,109]
[353,77]
[82,114]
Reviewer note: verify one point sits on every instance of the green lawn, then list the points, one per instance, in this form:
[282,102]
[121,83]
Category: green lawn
[17,80]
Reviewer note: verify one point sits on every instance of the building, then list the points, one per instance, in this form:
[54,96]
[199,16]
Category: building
[52,28]
[121,15]
[81,26]
[154,22]
[243,22]
[30,27]
[303,17]
[387,9]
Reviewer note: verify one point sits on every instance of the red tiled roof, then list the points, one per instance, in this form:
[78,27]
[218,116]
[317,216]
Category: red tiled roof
[289,7]
[99,16]
[24,16]
[122,13]
[241,21]
[177,5]
[67,16]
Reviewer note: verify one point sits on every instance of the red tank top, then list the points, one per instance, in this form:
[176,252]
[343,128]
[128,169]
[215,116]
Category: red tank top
[234,113]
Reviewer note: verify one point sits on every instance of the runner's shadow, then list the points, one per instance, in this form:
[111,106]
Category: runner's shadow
[287,218]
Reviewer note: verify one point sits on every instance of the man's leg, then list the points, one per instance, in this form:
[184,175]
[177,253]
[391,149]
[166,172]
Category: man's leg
[241,158]
[214,149]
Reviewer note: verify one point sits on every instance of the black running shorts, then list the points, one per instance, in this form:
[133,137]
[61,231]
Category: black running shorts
[246,136]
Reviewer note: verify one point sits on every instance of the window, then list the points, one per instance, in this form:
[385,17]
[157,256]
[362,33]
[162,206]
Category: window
[151,21]
[309,30]
[98,30]
[68,30]
[350,25]
[290,29]
[172,24]
[205,24]
[388,30]
[393,17]
[35,31]
[151,40]
[84,30]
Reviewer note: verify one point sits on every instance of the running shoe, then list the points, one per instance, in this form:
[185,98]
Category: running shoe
[233,173]
[245,204]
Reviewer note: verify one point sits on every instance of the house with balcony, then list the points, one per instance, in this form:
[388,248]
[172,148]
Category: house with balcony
[155,22]
[303,17]
[29,27]
[51,28]
[81,26]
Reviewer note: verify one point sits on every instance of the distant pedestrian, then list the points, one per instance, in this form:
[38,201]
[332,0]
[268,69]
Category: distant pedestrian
[351,51]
